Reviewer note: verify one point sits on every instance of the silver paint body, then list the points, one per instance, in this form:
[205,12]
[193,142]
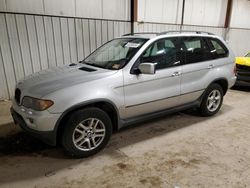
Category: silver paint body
[132,95]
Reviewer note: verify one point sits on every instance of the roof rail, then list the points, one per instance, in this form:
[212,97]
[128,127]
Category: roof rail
[168,32]
[127,34]
[184,31]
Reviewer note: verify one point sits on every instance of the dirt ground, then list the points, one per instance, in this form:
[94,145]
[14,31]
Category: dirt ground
[179,150]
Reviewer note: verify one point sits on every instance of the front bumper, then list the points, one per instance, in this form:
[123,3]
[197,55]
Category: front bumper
[243,73]
[48,137]
[243,78]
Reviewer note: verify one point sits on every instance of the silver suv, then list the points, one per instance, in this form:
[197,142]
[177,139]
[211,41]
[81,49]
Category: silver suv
[128,79]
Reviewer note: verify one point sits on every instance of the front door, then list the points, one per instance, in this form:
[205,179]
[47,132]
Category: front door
[149,93]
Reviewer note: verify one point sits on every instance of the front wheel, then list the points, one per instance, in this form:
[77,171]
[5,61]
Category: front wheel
[212,100]
[86,132]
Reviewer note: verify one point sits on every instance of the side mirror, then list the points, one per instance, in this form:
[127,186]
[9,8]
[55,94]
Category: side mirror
[147,68]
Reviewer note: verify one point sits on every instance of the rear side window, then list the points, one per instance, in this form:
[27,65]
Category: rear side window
[195,49]
[192,43]
[218,49]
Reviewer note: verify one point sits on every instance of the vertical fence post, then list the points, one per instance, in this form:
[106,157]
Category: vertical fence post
[133,13]
[228,18]
[182,14]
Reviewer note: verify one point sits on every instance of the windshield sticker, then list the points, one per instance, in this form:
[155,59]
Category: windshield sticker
[132,45]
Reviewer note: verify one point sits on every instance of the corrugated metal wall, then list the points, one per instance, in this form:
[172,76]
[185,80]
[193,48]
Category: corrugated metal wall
[239,40]
[236,37]
[100,9]
[154,27]
[29,43]
[165,15]
[197,12]
[201,15]
[159,27]
[239,32]
[161,15]
[62,33]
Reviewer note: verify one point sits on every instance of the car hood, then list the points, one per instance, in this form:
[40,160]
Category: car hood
[47,81]
[243,61]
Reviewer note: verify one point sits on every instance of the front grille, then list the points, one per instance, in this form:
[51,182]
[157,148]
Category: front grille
[17,95]
[243,67]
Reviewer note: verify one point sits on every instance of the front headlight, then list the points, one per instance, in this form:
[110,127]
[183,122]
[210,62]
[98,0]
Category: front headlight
[36,104]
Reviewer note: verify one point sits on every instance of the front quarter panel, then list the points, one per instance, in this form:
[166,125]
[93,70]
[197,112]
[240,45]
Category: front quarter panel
[107,89]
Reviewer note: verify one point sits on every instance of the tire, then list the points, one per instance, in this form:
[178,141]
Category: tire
[213,94]
[86,132]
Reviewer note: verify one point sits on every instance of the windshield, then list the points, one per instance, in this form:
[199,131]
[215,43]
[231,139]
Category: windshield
[115,54]
[248,55]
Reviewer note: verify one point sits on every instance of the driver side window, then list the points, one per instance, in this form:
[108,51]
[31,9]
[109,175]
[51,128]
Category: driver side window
[163,52]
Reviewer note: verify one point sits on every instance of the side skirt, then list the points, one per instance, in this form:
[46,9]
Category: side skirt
[146,117]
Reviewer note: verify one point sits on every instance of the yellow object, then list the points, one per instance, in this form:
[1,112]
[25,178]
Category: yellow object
[243,60]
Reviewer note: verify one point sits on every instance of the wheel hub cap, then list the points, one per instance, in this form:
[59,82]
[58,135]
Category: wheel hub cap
[89,134]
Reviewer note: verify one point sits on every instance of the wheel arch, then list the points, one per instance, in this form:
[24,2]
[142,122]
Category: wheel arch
[223,83]
[106,105]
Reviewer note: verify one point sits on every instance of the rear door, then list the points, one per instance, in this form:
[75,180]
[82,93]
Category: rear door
[197,69]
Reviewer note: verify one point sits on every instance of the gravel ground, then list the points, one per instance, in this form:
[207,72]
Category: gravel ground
[179,150]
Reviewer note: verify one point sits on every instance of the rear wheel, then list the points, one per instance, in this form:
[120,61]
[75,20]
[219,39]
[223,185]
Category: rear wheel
[212,100]
[86,132]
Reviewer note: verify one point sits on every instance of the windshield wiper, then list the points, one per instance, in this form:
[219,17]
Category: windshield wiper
[94,65]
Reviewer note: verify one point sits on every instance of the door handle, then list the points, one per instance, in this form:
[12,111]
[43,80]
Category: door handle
[177,63]
[210,66]
[176,74]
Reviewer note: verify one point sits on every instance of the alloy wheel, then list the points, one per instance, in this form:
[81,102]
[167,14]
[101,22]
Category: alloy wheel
[213,100]
[88,134]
